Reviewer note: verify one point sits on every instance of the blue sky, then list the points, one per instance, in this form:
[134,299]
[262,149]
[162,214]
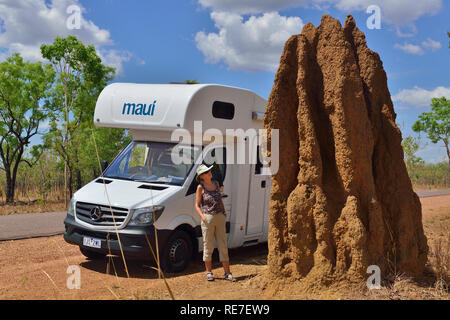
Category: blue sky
[239,42]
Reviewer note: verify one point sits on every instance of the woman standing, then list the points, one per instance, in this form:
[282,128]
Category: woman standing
[211,210]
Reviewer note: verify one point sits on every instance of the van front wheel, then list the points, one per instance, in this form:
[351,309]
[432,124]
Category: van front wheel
[178,252]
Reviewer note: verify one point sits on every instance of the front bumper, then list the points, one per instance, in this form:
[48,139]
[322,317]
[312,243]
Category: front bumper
[133,239]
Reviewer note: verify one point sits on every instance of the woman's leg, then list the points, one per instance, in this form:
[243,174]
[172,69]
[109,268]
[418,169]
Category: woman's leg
[208,266]
[208,230]
[226,266]
[221,241]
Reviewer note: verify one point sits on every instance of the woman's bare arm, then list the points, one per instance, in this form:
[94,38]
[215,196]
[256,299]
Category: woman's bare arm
[218,186]
[198,202]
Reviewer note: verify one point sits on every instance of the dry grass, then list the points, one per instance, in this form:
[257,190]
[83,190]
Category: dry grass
[33,206]
[439,258]
[434,284]
[436,221]
[420,187]
[31,201]
[406,288]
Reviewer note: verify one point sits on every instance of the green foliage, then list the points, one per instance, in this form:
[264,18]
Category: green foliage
[81,77]
[429,174]
[410,147]
[191,81]
[72,58]
[436,124]
[63,92]
[109,141]
[43,181]
[421,173]
[23,87]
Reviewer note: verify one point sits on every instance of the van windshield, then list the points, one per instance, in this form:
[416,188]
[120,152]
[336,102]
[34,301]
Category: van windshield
[157,162]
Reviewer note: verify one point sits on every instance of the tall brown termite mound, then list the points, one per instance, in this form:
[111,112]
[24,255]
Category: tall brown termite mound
[341,199]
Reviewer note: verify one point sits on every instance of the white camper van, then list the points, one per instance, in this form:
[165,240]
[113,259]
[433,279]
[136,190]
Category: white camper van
[143,189]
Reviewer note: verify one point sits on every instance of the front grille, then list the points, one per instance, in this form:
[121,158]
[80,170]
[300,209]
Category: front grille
[83,212]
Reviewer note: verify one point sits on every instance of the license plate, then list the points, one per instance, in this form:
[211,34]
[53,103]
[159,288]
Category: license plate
[92,242]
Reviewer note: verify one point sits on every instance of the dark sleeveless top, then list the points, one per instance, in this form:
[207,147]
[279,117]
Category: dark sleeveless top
[212,201]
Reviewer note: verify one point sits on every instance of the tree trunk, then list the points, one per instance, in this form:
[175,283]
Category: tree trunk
[11,177]
[70,183]
[65,185]
[341,199]
[9,185]
[79,181]
[448,154]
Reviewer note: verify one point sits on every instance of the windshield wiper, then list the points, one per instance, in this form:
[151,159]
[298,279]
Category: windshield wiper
[119,177]
[140,180]
[153,181]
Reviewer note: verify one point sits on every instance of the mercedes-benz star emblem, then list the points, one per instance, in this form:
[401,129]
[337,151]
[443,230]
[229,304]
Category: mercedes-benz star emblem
[96,214]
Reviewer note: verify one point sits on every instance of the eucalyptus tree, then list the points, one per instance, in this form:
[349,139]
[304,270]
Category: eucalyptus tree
[436,123]
[81,76]
[24,90]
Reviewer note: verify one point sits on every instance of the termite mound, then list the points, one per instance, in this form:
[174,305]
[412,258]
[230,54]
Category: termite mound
[341,199]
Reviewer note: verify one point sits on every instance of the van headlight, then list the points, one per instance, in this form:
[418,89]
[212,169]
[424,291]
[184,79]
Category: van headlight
[71,209]
[144,216]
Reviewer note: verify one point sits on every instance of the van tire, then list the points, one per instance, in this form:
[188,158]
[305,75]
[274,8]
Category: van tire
[177,252]
[93,255]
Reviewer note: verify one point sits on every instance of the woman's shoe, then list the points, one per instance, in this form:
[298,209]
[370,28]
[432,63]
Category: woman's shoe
[229,277]
[209,276]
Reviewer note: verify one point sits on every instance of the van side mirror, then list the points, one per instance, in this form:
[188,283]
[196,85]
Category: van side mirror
[104,165]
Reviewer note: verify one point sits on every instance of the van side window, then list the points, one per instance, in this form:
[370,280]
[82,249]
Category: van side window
[218,171]
[223,110]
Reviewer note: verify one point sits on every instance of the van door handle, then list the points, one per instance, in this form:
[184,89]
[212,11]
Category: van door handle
[263,184]
[224,196]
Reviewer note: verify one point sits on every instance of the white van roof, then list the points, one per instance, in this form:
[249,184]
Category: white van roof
[170,106]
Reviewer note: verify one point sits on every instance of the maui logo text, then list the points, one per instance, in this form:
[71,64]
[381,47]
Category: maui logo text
[139,109]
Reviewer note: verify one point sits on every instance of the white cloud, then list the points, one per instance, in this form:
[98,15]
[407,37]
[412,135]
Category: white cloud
[410,48]
[255,44]
[419,97]
[432,152]
[251,45]
[431,44]
[115,58]
[26,25]
[398,12]
[401,34]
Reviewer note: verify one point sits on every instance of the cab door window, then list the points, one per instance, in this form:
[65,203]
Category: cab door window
[219,167]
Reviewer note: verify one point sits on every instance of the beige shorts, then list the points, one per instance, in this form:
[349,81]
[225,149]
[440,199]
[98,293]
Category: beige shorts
[214,228]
